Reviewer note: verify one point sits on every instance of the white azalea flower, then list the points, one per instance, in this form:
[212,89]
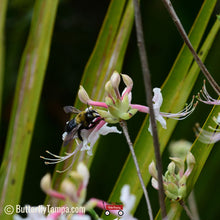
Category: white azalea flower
[91,136]
[128,201]
[158,100]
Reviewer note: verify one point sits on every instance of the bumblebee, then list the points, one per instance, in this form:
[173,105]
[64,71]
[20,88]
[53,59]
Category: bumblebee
[84,120]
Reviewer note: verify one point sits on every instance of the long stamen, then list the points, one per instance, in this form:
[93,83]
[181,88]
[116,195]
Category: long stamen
[207,137]
[183,113]
[59,159]
[206,98]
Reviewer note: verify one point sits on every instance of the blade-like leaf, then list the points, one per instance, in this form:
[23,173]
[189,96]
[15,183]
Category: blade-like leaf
[176,90]
[3,7]
[201,153]
[112,42]
[26,100]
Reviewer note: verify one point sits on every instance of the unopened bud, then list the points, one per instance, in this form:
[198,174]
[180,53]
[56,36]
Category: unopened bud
[115,80]
[68,188]
[83,96]
[178,162]
[127,80]
[152,170]
[180,148]
[83,171]
[172,188]
[171,191]
[190,161]
[154,183]
[171,168]
[109,89]
[45,183]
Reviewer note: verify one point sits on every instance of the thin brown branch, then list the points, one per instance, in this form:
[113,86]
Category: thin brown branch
[182,203]
[183,34]
[126,134]
[148,90]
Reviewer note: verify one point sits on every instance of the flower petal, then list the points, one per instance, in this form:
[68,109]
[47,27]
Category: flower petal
[127,199]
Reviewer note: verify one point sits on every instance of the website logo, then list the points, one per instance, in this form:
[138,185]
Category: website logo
[113,206]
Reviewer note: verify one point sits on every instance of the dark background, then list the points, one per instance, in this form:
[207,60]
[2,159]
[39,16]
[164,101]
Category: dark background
[76,29]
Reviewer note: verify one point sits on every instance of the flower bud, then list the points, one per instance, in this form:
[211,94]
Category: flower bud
[180,148]
[83,96]
[45,183]
[83,171]
[127,80]
[190,161]
[68,188]
[171,191]
[154,183]
[179,163]
[172,188]
[171,168]
[115,80]
[152,170]
[109,89]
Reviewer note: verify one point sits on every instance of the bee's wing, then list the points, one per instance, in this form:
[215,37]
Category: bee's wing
[71,109]
[69,136]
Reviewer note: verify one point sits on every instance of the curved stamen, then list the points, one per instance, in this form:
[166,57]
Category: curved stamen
[206,98]
[59,159]
[183,113]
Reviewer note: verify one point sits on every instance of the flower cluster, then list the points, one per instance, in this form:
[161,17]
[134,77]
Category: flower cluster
[73,194]
[116,107]
[174,180]
[119,107]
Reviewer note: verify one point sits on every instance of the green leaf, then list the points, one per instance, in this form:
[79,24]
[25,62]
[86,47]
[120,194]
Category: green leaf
[201,153]
[27,95]
[108,55]
[175,90]
[3,8]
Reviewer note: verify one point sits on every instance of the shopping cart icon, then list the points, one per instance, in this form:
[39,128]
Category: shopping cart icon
[113,206]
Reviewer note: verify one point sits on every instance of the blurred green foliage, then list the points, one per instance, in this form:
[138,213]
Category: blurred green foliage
[76,29]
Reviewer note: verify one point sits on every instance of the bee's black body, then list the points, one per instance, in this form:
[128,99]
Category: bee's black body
[83,120]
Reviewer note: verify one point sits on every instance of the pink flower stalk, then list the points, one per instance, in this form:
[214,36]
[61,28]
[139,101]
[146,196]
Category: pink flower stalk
[206,98]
